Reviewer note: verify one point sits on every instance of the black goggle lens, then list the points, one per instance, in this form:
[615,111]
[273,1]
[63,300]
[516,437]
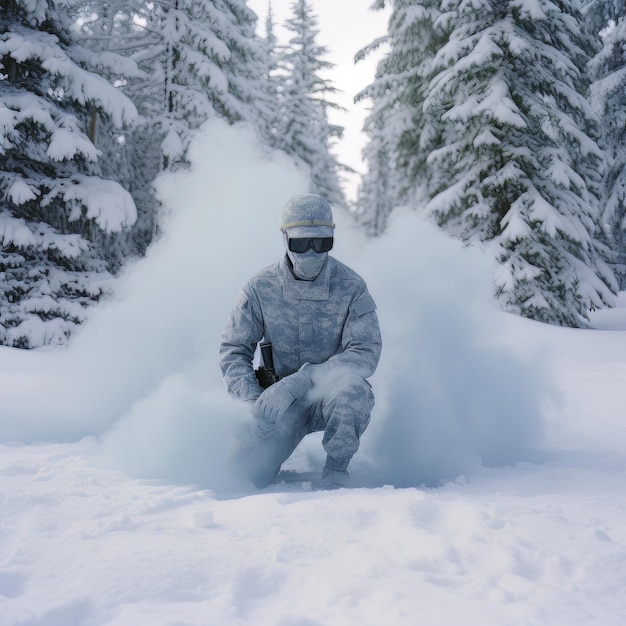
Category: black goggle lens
[302,244]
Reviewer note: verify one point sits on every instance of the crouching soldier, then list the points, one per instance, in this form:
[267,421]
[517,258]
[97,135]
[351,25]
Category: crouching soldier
[321,322]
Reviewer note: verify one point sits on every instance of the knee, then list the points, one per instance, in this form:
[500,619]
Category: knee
[355,390]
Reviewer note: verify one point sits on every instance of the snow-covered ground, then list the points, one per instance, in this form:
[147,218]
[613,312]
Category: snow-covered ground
[490,489]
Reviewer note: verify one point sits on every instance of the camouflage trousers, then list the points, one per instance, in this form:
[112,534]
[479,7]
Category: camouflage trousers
[341,409]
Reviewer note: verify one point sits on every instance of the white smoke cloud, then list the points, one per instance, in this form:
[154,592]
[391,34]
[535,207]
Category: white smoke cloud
[143,373]
[452,394]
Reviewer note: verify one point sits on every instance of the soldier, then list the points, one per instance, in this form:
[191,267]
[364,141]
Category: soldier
[323,328]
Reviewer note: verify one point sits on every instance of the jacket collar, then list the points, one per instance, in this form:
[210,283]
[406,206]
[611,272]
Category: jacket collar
[294,289]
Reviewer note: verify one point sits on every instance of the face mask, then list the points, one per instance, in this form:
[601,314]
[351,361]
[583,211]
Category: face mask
[307,265]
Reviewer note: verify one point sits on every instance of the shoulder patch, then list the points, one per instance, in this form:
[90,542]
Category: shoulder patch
[365,304]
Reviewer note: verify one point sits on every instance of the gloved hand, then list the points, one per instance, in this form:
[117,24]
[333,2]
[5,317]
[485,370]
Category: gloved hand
[277,398]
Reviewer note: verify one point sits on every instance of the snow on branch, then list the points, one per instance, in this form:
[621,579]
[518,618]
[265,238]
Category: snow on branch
[82,86]
[105,201]
[542,211]
[66,144]
[14,232]
[70,246]
[66,137]
[365,52]
[19,191]
[514,226]
[496,101]
[205,68]
[536,301]
[109,61]
[211,42]
[88,87]
[443,202]
[604,87]
[39,332]
[172,145]
[531,8]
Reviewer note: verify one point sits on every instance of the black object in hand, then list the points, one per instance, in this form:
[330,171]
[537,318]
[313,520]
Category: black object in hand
[266,374]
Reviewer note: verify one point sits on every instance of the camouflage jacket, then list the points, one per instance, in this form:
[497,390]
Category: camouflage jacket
[331,320]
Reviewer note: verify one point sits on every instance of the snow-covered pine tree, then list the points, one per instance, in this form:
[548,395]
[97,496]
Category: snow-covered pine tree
[185,74]
[273,82]
[196,60]
[54,200]
[395,158]
[374,196]
[115,30]
[250,97]
[514,160]
[304,131]
[509,146]
[608,97]
[205,62]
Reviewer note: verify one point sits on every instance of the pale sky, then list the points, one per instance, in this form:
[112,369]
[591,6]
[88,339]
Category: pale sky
[345,26]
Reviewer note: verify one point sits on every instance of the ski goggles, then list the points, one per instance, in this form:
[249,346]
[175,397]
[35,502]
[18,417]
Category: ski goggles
[302,244]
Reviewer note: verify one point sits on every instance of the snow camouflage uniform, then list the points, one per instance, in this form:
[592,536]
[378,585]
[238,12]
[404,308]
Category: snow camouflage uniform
[326,341]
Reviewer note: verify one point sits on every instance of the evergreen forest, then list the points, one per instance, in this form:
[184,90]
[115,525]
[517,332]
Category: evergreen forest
[500,120]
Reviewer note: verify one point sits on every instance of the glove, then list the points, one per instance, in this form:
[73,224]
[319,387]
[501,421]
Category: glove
[277,398]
